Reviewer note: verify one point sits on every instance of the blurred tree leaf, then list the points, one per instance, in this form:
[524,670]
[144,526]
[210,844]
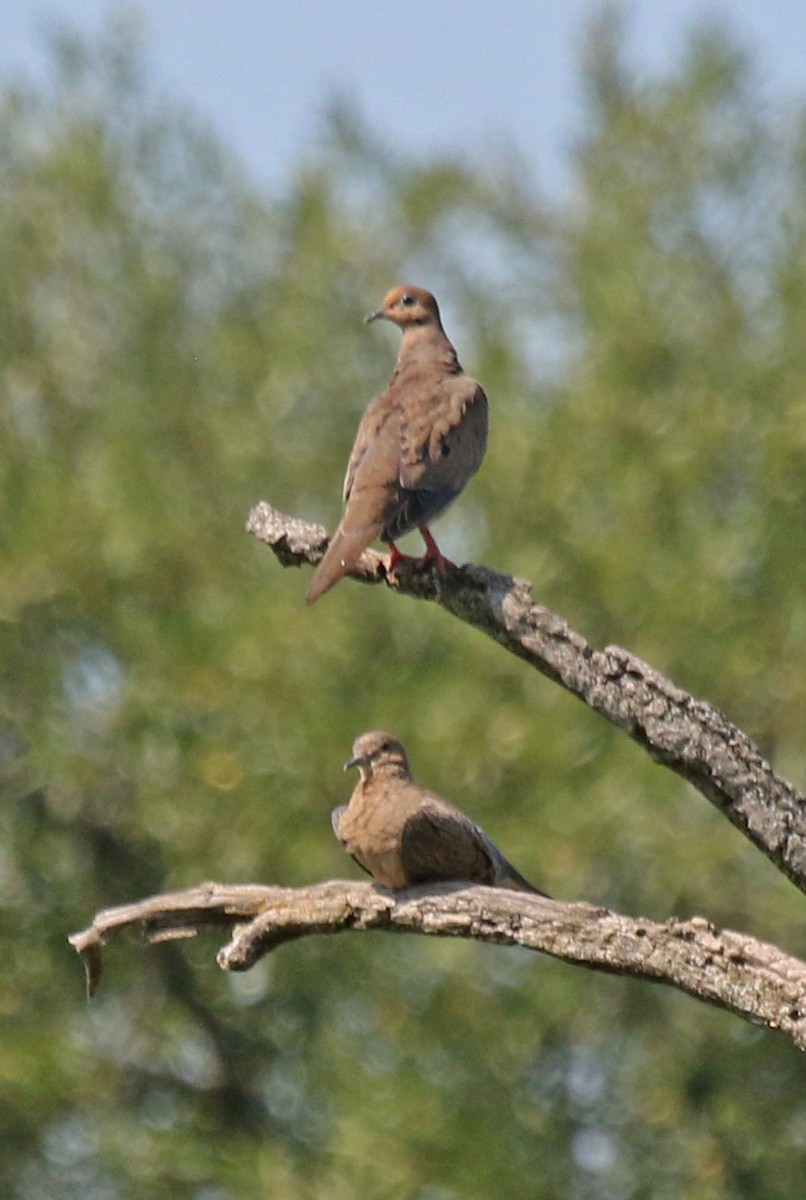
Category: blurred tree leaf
[174,347]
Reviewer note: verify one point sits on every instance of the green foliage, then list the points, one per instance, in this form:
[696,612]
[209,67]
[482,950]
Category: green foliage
[174,347]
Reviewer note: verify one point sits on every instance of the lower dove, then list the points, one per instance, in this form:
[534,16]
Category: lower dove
[402,834]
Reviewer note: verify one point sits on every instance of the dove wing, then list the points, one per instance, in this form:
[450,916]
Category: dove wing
[443,435]
[438,842]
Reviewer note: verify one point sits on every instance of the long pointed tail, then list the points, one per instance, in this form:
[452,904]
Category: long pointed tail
[344,550]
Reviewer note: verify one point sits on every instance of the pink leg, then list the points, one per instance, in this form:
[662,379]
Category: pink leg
[394,558]
[432,551]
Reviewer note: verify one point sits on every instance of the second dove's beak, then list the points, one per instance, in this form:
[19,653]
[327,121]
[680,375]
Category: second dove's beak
[374,316]
[352,762]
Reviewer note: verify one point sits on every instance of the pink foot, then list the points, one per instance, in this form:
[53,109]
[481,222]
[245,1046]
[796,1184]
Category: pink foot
[394,558]
[433,554]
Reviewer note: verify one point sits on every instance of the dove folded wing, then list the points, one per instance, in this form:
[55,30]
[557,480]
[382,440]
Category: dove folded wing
[439,843]
[443,437]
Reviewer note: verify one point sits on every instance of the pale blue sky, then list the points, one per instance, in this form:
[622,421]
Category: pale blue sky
[426,73]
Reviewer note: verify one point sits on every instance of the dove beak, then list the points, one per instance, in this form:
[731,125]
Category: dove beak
[374,316]
[355,761]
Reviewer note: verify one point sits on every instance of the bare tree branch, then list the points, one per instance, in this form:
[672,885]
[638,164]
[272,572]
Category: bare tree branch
[749,978]
[687,735]
[752,979]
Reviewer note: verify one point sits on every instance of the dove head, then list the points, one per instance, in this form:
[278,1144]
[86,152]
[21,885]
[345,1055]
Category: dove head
[378,752]
[406,307]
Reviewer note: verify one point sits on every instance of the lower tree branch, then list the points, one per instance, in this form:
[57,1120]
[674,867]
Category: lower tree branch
[687,735]
[749,978]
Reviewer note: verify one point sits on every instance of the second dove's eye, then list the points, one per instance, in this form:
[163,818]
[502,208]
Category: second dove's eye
[407,300]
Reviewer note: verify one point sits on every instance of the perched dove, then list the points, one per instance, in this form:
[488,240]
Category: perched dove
[417,445]
[402,834]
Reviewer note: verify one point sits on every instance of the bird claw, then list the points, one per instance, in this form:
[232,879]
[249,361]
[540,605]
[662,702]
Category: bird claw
[433,556]
[438,561]
[394,558]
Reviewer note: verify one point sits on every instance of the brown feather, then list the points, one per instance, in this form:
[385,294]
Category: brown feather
[417,444]
[403,835]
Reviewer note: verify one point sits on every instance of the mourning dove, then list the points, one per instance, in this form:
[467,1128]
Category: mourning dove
[402,834]
[417,445]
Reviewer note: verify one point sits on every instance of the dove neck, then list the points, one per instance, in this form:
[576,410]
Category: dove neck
[386,769]
[427,345]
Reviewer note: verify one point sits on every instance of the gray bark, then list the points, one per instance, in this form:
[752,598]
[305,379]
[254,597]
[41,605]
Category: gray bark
[752,979]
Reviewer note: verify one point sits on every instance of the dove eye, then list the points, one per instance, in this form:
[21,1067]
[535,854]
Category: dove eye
[407,300]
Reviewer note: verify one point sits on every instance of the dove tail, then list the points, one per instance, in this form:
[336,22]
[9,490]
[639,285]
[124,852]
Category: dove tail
[508,877]
[344,550]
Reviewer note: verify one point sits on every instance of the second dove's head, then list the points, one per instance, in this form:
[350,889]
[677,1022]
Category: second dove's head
[406,306]
[375,751]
